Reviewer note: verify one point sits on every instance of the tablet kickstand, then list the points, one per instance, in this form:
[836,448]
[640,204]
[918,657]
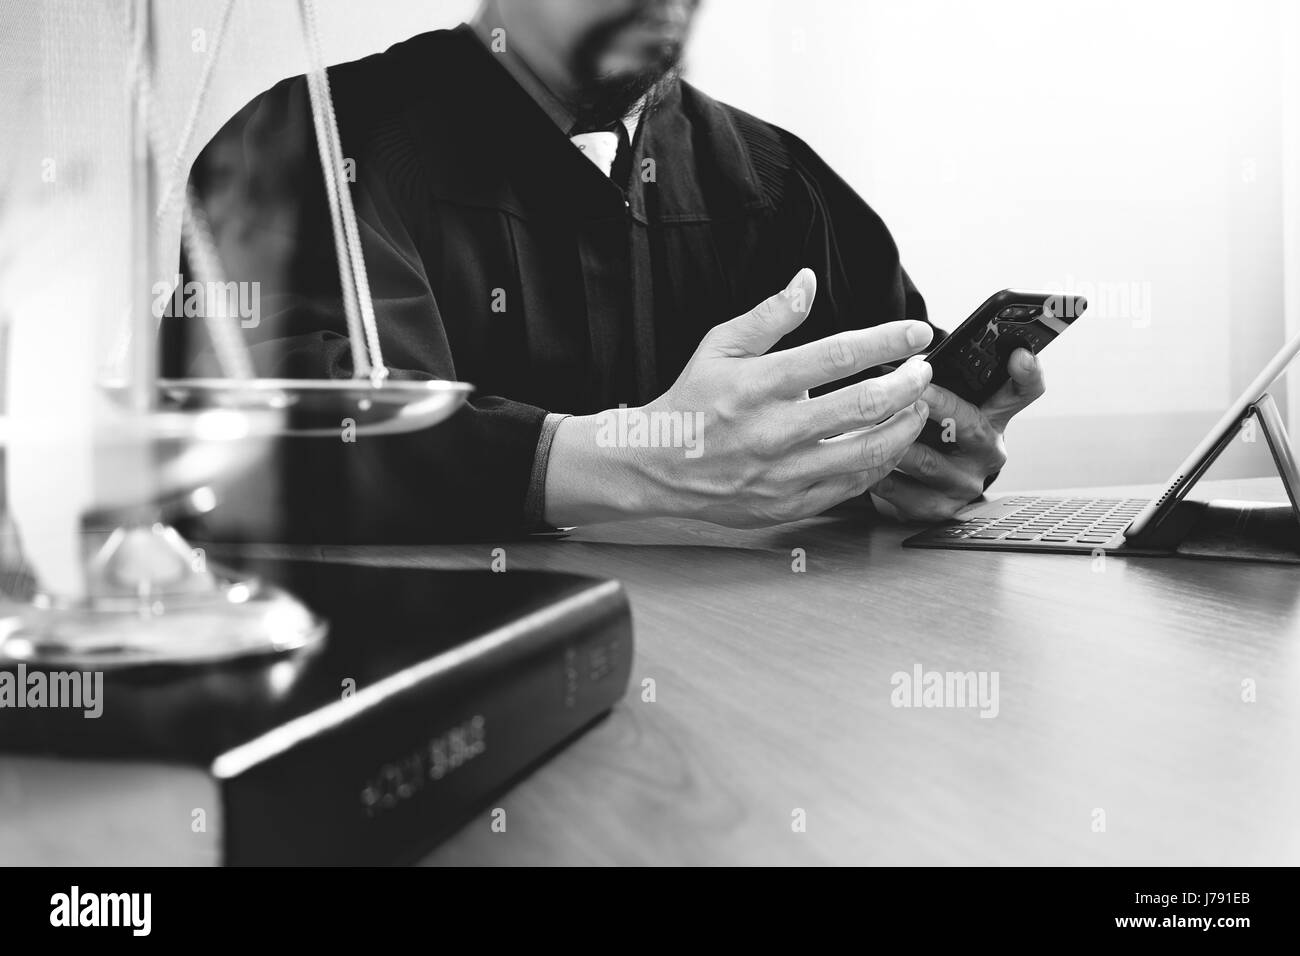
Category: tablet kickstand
[1279,443]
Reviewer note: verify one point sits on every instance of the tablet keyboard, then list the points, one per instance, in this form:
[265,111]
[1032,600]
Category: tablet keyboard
[1027,519]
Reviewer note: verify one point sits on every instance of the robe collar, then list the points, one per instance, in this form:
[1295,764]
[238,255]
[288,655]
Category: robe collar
[488,20]
[511,155]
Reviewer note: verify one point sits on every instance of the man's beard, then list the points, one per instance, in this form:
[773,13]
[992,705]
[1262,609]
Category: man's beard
[607,99]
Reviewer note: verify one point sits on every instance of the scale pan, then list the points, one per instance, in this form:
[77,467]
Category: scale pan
[319,406]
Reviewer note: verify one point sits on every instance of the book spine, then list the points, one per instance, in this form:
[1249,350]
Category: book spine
[385,784]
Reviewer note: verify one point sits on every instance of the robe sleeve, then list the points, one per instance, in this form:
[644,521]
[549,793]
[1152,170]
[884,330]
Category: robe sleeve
[262,194]
[820,221]
[861,280]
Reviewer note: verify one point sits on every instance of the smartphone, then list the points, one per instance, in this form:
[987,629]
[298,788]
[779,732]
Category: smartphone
[972,361]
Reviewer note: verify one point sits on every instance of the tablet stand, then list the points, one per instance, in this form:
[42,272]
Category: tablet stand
[1242,530]
[1279,443]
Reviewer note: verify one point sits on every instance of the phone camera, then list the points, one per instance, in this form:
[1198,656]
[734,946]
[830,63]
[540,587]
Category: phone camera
[1019,313]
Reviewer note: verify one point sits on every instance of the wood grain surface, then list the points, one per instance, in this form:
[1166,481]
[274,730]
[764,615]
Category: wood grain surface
[1120,690]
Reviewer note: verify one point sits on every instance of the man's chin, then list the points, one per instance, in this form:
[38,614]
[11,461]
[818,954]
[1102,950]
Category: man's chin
[614,95]
[641,59]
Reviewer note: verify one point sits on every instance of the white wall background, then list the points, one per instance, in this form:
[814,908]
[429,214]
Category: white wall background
[1133,151]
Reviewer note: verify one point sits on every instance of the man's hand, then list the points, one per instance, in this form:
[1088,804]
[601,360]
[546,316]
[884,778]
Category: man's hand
[932,485]
[765,452]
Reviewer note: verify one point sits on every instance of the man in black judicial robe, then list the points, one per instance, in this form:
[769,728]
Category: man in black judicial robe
[502,253]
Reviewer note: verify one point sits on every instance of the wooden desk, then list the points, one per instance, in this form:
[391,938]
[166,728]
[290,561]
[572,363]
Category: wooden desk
[1120,689]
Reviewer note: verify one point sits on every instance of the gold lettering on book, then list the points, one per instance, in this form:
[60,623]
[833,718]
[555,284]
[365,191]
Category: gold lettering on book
[398,780]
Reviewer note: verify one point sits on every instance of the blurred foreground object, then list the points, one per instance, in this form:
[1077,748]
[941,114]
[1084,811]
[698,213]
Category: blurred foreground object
[94,444]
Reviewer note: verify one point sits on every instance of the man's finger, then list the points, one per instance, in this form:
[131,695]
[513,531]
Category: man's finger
[842,355]
[860,405]
[871,452]
[829,492]
[941,472]
[767,323]
[1026,374]
[915,501]
[1025,387]
[960,422]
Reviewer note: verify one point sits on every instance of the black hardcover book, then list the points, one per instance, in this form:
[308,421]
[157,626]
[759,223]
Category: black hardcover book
[433,693]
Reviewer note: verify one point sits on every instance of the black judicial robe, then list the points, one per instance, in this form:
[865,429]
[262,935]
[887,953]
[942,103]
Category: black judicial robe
[499,255]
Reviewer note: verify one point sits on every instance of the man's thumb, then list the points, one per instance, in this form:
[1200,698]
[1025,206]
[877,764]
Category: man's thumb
[768,322]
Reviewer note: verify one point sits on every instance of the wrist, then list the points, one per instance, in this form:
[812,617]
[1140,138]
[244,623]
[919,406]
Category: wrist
[593,477]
